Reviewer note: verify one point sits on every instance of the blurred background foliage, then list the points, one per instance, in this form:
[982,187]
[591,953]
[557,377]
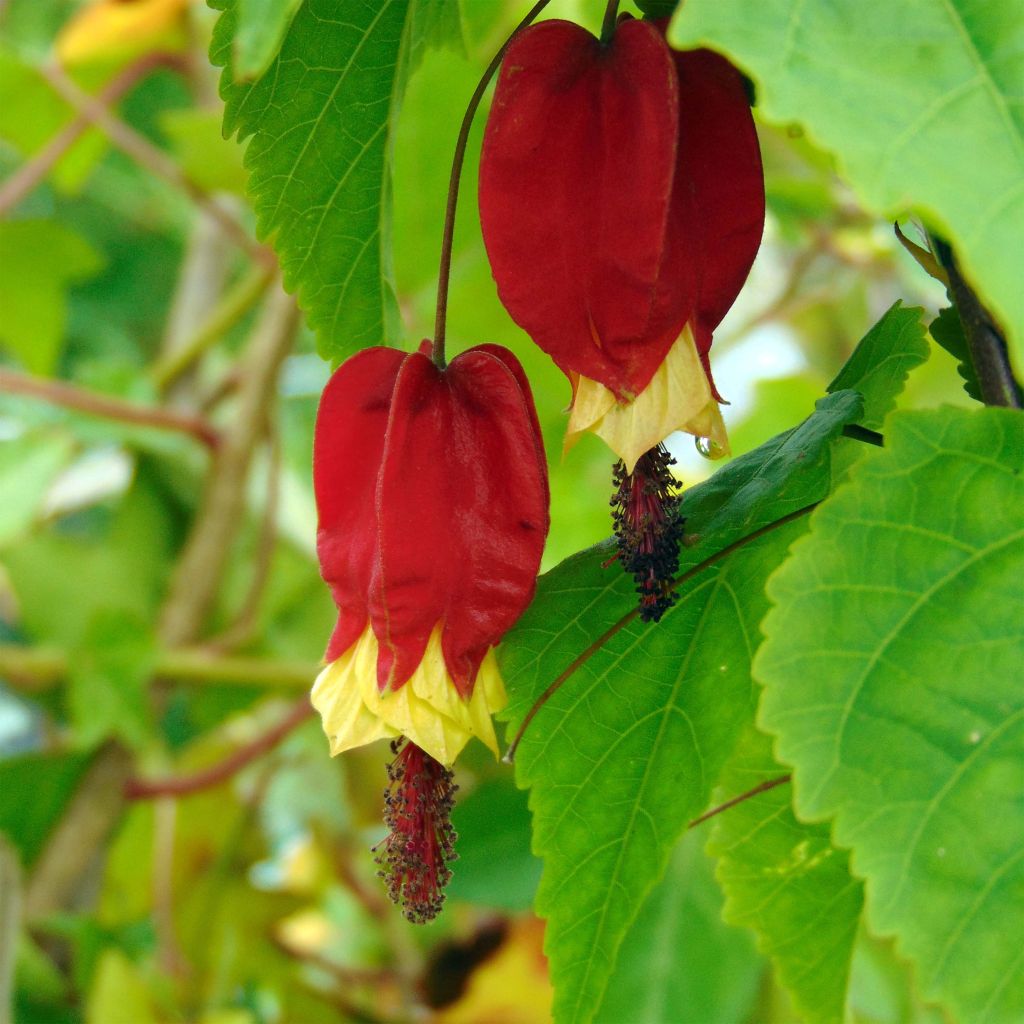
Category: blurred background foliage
[157,523]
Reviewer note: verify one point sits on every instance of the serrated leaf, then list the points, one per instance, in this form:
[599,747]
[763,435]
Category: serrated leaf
[262,25]
[891,671]
[941,131]
[320,122]
[784,879]
[948,332]
[628,750]
[40,259]
[680,960]
[880,363]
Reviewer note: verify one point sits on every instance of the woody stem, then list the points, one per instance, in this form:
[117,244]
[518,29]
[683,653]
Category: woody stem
[444,272]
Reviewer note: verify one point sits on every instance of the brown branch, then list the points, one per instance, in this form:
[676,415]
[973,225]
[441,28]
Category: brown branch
[185,785]
[762,788]
[148,156]
[98,803]
[245,624]
[69,396]
[35,169]
[197,575]
[626,619]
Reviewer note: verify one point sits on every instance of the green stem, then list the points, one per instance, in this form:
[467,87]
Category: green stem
[34,669]
[448,234]
[228,312]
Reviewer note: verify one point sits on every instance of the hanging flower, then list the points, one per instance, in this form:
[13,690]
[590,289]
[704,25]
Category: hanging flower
[432,494]
[622,204]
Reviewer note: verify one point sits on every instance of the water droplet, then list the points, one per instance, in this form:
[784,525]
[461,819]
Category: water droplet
[975,736]
[941,851]
[708,448]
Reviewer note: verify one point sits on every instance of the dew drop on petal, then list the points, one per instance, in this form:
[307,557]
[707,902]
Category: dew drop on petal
[708,448]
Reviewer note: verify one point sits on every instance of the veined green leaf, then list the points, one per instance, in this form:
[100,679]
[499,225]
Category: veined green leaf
[920,102]
[892,684]
[784,879]
[320,121]
[629,749]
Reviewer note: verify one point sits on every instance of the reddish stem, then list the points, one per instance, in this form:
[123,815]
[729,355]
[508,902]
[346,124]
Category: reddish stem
[763,788]
[185,785]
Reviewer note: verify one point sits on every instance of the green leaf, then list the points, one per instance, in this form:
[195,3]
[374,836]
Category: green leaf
[120,993]
[109,673]
[919,101]
[880,363]
[33,791]
[679,953]
[892,683]
[28,466]
[321,121]
[209,160]
[262,25]
[495,866]
[31,114]
[40,258]
[948,332]
[784,879]
[628,750]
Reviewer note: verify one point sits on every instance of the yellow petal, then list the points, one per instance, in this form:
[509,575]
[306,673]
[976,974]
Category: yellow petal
[677,398]
[427,708]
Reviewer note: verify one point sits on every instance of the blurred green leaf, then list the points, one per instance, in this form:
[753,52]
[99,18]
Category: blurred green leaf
[891,671]
[785,880]
[941,131]
[31,113]
[495,866]
[40,258]
[880,363]
[28,466]
[62,581]
[679,957]
[211,161]
[33,791]
[109,673]
[948,331]
[628,750]
[119,993]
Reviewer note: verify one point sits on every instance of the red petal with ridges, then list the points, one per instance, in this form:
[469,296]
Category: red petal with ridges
[461,512]
[720,169]
[348,445]
[575,180]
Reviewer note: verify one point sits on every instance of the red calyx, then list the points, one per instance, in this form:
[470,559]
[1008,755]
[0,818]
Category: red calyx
[432,494]
[621,195]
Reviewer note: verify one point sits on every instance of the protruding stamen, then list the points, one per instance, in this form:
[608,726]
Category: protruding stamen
[414,856]
[649,528]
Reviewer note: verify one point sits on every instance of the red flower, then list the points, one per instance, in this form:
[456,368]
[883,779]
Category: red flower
[431,488]
[622,204]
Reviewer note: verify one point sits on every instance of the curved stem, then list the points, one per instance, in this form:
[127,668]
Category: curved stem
[444,272]
[763,788]
[626,619]
[207,778]
[611,12]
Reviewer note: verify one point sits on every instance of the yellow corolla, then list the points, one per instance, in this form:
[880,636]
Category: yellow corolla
[427,708]
[678,397]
